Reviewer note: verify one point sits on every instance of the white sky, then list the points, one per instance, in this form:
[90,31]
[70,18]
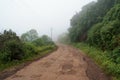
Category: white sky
[23,15]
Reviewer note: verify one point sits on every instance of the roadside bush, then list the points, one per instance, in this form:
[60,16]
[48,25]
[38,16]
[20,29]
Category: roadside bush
[43,41]
[11,47]
[115,55]
[4,57]
[94,37]
[29,49]
[12,51]
[105,35]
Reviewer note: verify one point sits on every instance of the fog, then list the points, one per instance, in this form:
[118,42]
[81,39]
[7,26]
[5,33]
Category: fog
[42,15]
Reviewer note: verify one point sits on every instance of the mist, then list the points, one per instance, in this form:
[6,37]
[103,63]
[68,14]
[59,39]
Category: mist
[42,15]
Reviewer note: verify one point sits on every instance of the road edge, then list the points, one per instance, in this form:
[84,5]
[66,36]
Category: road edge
[11,71]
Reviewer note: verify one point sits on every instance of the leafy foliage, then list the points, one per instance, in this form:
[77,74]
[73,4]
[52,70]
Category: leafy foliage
[13,50]
[98,24]
[42,41]
[29,49]
[106,34]
[30,36]
[89,16]
[10,46]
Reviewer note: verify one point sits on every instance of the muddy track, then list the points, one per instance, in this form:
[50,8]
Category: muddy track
[66,63]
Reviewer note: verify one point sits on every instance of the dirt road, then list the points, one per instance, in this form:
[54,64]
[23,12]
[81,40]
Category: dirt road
[66,63]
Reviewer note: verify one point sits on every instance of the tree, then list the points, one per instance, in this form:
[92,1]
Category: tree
[30,35]
[106,34]
[6,36]
[11,47]
[42,41]
[90,15]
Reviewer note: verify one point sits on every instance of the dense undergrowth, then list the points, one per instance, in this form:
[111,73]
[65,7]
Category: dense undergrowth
[98,26]
[14,51]
[102,58]
[28,57]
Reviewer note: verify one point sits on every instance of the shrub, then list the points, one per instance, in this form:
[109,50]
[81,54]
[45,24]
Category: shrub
[29,49]
[115,55]
[12,51]
[43,41]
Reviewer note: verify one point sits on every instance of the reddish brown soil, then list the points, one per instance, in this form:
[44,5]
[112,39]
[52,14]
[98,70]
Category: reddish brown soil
[66,63]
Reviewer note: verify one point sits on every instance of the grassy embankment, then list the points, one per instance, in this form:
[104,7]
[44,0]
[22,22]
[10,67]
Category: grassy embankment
[29,57]
[102,59]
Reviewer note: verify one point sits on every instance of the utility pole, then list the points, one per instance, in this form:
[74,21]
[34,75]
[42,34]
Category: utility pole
[51,32]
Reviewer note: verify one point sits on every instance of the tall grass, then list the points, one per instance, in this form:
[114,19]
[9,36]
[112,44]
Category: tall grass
[102,59]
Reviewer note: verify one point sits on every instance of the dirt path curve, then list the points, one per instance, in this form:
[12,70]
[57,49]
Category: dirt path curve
[64,64]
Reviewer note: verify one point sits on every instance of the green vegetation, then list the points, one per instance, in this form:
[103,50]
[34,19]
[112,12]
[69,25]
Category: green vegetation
[90,15]
[107,32]
[29,36]
[98,25]
[101,58]
[11,47]
[44,40]
[14,51]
